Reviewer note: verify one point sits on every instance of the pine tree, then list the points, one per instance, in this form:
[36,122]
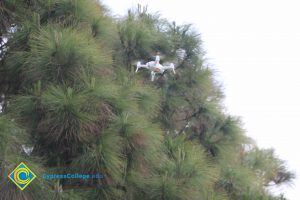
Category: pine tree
[71,95]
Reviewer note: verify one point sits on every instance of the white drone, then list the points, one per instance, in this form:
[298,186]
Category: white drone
[155,67]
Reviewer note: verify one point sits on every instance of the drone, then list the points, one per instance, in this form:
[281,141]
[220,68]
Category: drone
[155,68]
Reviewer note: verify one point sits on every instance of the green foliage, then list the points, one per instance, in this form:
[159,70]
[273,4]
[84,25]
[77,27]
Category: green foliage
[148,100]
[139,36]
[59,55]
[223,138]
[66,123]
[135,38]
[102,158]
[71,94]
[267,166]
[38,189]
[185,174]
[10,137]
[238,180]
[68,12]
[184,37]
[106,157]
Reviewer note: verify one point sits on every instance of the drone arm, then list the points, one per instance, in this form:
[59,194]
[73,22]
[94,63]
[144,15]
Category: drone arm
[152,75]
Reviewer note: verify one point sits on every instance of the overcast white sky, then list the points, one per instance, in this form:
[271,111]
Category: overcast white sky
[255,47]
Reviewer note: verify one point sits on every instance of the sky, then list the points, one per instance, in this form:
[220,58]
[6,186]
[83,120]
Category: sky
[254,47]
